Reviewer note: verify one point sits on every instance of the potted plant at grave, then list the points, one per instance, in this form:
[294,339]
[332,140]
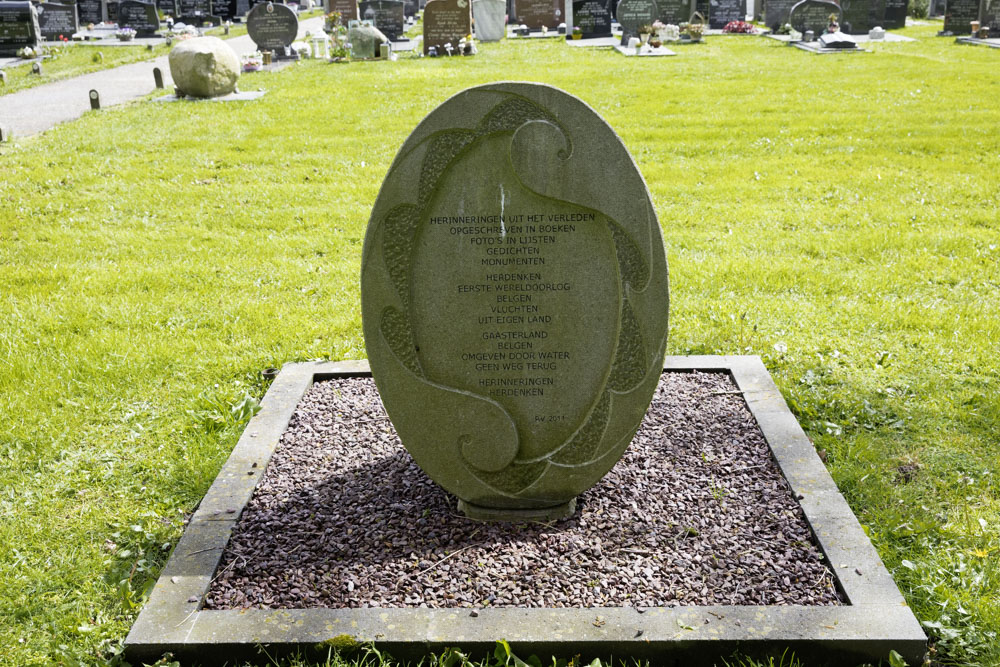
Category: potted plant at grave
[577,32]
[833,26]
[252,62]
[125,34]
[332,21]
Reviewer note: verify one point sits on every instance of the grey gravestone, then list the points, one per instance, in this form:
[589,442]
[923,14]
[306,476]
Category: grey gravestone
[386,15]
[860,16]
[56,20]
[365,39]
[538,13]
[959,14]
[446,22]
[895,14]
[475,293]
[111,10]
[813,15]
[635,13]
[722,12]
[592,17]
[674,12]
[776,13]
[490,17]
[140,16]
[90,11]
[18,26]
[989,16]
[195,12]
[936,8]
[348,9]
[272,27]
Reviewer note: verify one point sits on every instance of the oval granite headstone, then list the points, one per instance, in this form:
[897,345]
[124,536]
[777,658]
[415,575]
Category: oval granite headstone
[514,298]
[272,26]
[813,15]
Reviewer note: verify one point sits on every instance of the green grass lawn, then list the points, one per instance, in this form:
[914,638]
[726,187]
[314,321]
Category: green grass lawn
[837,215]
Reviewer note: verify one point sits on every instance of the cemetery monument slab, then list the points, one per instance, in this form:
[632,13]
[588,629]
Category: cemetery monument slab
[894,14]
[490,19]
[989,16]
[776,13]
[632,14]
[722,12]
[474,292]
[348,10]
[140,16]
[538,13]
[57,20]
[446,22]
[272,27]
[675,12]
[18,27]
[813,15]
[90,11]
[388,16]
[592,17]
[959,15]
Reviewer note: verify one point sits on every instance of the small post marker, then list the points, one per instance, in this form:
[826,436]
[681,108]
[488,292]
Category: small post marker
[158,77]
[36,68]
[3,135]
[3,77]
[95,100]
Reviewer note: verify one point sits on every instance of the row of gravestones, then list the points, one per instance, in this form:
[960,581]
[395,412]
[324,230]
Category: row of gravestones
[856,16]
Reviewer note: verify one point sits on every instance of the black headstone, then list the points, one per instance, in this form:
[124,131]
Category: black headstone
[226,10]
[411,7]
[813,15]
[777,12]
[140,16]
[272,27]
[57,21]
[860,16]
[989,16]
[959,14]
[111,10]
[721,12]
[195,12]
[675,11]
[592,17]
[166,6]
[90,11]
[936,8]
[635,13]
[387,15]
[895,14]
[18,27]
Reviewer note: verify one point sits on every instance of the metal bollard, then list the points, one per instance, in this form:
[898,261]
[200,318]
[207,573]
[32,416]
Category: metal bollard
[95,100]
[158,77]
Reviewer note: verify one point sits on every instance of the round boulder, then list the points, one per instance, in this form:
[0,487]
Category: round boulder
[204,67]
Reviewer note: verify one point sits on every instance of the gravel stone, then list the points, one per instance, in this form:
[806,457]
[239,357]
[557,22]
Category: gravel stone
[695,513]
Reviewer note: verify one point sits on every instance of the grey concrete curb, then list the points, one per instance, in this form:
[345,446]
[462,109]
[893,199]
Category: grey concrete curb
[874,621]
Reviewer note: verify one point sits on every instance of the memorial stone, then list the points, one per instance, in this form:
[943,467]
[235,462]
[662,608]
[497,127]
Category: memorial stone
[703,7]
[936,8]
[365,39]
[227,10]
[272,27]
[635,13]
[895,13]
[411,8]
[540,13]
[90,11]
[490,19]
[348,9]
[386,15]
[168,7]
[18,26]
[140,16]
[57,20]
[194,12]
[446,22]
[959,14]
[592,17]
[777,12]
[674,12]
[111,10]
[722,12]
[813,15]
[860,16]
[989,16]
[475,291]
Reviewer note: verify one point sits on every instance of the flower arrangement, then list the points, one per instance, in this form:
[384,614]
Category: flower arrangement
[467,46]
[252,62]
[834,24]
[740,28]
[332,21]
[693,31]
[125,34]
[666,32]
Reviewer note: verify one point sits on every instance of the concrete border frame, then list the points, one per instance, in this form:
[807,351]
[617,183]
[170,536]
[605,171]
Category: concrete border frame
[874,620]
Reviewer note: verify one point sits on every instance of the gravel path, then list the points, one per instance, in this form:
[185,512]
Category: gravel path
[695,513]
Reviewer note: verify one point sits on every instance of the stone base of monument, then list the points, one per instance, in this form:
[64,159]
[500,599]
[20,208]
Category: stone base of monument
[541,514]
[595,41]
[644,51]
[231,97]
[872,620]
[993,42]
[817,47]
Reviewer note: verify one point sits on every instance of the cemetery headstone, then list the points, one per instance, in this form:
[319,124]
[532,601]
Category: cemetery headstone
[721,12]
[272,27]
[348,9]
[57,20]
[935,8]
[635,13]
[860,16]
[895,14]
[989,16]
[411,8]
[227,10]
[196,12]
[18,26]
[813,15]
[702,7]
[111,10]
[592,17]
[365,39]
[90,11]
[446,22]
[481,366]
[168,7]
[777,12]
[959,15]
[386,15]
[491,20]
[140,16]
[674,12]
[540,13]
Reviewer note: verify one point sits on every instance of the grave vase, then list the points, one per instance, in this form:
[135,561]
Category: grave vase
[491,19]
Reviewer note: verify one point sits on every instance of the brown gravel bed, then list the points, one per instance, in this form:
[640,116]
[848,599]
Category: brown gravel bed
[695,513]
